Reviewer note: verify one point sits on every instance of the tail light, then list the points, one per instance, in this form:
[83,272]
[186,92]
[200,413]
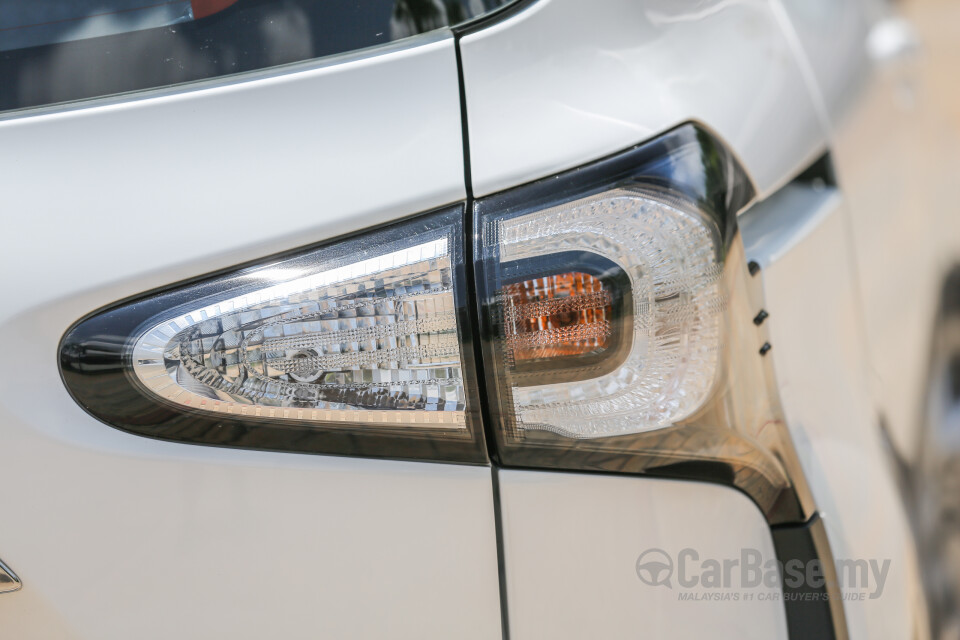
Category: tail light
[613,308]
[639,349]
[357,347]
[616,315]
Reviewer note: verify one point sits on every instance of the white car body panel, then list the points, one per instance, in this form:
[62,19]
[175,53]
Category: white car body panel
[117,536]
[254,165]
[565,82]
[800,239]
[546,94]
[571,543]
[895,156]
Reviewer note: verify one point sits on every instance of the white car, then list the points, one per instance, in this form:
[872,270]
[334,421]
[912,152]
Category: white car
[532,319]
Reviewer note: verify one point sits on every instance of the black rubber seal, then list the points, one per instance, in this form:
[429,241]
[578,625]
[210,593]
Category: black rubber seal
[812,612]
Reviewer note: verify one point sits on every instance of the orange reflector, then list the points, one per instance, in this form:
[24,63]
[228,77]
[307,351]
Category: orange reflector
[567,314]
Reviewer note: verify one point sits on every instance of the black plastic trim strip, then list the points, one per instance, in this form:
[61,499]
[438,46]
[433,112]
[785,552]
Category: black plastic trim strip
[501,553]
[812,612]
[504,12]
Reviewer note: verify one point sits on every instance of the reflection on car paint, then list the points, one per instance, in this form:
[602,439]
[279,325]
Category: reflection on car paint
[54,51]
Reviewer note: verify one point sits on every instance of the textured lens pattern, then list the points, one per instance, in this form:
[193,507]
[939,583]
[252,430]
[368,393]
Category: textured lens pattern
[372,341]
[559,315]
[670,254]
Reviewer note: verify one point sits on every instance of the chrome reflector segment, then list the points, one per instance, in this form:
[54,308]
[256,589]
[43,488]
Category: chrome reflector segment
[8,579]
[373,341]
[671,255]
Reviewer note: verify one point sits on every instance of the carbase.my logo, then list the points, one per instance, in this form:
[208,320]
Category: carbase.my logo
[859,578]
[655,567]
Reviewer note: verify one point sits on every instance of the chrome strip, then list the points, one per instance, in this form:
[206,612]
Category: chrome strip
[8,579]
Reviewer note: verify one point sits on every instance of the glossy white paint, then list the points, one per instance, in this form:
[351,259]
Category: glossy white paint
[896,158]
[564,82]
[243,168]
[774,80]
[117,536]
[830,42]
[572,541]
[112,198]
[800,239]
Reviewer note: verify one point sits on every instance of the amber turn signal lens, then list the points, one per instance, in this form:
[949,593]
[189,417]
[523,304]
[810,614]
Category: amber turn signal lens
[566,314]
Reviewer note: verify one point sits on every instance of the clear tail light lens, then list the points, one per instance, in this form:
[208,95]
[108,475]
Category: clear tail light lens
[616,321]
[373,341]
[330,350]
[667,323]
